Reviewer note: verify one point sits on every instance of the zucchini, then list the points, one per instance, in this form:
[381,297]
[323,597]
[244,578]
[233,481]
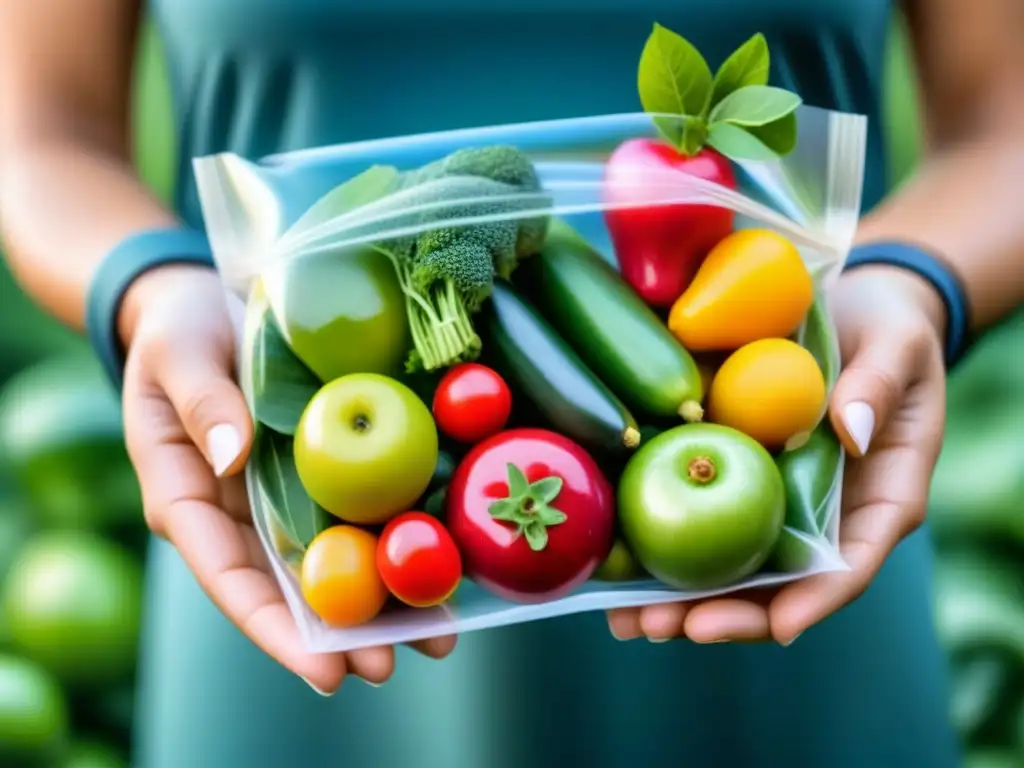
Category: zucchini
[612,329]
[537,362]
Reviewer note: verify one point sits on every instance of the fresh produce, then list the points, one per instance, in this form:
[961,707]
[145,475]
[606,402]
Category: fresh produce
[532,514]
[88,754]
[418,560]
[613,331]
[472,402]
[772,390]
[557,382]
[809,475]
[446,271]
[365,448]
[753,285]
[34,718]
[661,224]
[324,301]
[620,565]
[61,435]
[339,577]
[75,585]
[701,506]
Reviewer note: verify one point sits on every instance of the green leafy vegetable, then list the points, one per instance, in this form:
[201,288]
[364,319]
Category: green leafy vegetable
[281,386]
[298,518]
[755,105]
[747,65]
[736,112]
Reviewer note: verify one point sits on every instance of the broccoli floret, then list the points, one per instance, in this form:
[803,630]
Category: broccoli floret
[447,270]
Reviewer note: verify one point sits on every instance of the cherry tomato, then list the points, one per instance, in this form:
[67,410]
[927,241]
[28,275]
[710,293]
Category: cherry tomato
[471,403]
[339,578]
[532,515]
[418,560]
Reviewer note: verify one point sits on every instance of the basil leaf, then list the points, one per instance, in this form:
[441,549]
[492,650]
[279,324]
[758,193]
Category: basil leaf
[370,185]
[779,136]
[755,105]
[298,517]
[737,143]
[747,65]
[673,78]
[281,384]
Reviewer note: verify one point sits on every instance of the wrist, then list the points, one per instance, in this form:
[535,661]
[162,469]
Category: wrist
[146,289]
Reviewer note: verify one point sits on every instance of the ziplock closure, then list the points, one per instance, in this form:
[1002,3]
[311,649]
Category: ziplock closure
[357,224]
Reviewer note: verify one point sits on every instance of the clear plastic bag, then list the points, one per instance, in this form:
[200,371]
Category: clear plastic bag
[329,205]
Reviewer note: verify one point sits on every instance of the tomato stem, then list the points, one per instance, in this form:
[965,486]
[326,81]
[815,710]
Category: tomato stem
[528,507]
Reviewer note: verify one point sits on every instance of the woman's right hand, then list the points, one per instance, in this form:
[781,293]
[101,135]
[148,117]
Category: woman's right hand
[188,433]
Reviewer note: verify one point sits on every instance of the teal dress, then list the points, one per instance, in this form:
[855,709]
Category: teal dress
[865,688]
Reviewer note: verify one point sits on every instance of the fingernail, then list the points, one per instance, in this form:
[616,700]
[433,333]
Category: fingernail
[371,683]
[659,639]
[715,642]
[223,444]
[792,640]
[325,694]
[860,423]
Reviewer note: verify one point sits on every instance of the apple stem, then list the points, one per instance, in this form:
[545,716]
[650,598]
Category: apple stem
[702,470]
[360,423]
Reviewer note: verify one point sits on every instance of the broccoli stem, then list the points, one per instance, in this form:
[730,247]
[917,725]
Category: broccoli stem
[442,332]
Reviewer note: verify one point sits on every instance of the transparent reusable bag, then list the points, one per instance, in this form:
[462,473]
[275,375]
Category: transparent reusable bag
[265,217]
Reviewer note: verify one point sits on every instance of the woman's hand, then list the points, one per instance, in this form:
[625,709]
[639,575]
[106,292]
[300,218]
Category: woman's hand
[188,433]
[888,408]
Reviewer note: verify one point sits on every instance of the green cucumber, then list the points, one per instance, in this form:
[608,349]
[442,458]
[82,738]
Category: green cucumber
[537,362]
[612,329]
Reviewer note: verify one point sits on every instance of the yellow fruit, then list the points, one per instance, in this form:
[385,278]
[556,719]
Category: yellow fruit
[753,285]
[771,389]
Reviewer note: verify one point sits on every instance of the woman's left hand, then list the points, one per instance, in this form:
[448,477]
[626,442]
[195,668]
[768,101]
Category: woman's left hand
[888,408]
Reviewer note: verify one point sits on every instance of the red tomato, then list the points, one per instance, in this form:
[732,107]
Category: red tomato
[660,246]
[418,560]
[531,513]
[472,402]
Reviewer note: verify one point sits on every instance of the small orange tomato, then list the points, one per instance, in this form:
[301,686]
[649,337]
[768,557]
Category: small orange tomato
[771,390]
[753,285]
[340,581]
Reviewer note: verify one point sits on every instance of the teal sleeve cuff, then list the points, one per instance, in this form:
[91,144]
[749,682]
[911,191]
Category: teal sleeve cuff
[132,257]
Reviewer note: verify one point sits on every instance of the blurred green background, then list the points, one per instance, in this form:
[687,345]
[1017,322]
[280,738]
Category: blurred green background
[72,537]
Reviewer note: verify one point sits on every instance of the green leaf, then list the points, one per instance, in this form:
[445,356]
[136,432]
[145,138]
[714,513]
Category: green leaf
[282,385]
[673,77]
[504,509]
[737,143]
[518,485]
[550,515]
[370,185]
[299,517]
[536,536]
[747,65]
[546,490]
[779,136]
[755,105]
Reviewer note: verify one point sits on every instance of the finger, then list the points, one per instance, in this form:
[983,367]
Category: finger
[663,622]
[723,619]
[624,623]
[374,665]
[865,542]
[198,380]
[871,386]
[435,647]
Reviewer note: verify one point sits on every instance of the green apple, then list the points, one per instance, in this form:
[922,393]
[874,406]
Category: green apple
[701,506]
[365,448]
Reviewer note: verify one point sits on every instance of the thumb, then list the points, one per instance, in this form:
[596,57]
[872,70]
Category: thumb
[199,384]
[871,387]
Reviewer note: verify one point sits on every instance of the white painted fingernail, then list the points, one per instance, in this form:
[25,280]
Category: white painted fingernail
[860,423]
[223,443]
[371,683]
[792,640]
[659,639]
[325,694]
